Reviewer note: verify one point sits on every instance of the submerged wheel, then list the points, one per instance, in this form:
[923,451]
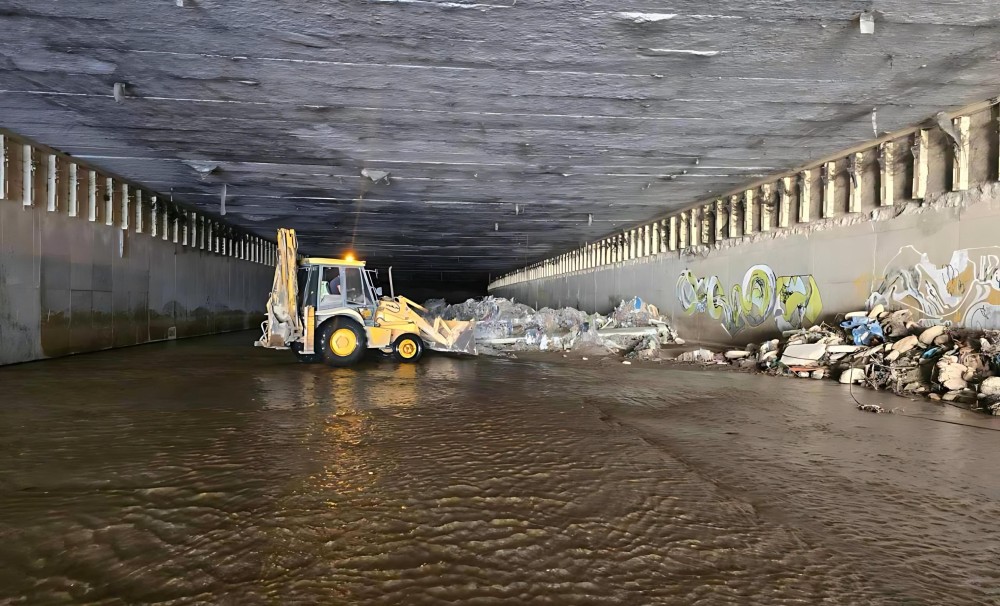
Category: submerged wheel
[408,348]
[312,358]
[342,341]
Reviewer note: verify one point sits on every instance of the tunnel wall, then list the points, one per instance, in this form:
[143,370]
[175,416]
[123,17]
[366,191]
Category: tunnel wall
[73,284]
[736,282]
[942,261]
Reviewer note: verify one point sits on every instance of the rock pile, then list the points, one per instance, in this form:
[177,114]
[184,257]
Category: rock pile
[884,350]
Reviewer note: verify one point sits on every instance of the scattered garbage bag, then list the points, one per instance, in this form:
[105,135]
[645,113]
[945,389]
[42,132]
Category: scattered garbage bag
[632,313]
[864,330]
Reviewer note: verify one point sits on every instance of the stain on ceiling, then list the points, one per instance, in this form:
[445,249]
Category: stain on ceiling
[456,139]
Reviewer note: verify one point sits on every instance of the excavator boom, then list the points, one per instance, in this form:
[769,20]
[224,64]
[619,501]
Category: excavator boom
[283,325]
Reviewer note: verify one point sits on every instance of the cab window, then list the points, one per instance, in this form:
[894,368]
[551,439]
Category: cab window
[355,286]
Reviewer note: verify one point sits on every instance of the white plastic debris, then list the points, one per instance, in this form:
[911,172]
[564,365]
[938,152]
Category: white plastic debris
[990,386]
[852,375]
[698,355]
[927,337]
[845,349]
[955,384]
[905,344]
[871,408]
[806,354]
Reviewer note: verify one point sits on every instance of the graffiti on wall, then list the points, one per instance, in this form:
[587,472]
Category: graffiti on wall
[791,301]
[963,292]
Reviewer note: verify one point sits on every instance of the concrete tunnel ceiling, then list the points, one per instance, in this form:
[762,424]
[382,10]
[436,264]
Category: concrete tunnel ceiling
[493,133]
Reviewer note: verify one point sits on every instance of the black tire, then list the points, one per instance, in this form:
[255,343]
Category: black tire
[407,349]
[332,327]
[313,358]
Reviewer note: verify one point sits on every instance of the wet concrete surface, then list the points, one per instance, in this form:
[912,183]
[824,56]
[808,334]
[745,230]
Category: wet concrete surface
[206,471]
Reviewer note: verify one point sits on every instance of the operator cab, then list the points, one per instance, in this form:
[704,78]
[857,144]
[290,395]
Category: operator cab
[335,284]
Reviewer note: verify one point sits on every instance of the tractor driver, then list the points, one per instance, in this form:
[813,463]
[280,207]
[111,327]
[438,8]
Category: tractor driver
[330,293]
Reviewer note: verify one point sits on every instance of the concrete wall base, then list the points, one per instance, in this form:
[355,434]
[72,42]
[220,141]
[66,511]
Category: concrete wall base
[69,285]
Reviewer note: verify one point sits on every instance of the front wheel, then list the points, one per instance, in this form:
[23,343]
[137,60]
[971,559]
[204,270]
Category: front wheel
[342,341]
[408,348]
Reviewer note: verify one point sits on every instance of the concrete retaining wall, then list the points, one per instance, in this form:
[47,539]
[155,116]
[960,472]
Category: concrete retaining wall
[69,285]
[941,259]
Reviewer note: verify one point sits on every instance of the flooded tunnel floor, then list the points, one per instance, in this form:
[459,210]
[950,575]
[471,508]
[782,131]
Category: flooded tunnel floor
[207,471]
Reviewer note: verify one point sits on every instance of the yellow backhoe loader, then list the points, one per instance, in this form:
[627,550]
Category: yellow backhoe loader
[327,310]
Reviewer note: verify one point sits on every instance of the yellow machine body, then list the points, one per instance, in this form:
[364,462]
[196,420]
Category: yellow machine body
[384,319]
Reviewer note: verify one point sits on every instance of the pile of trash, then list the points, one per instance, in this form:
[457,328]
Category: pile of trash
[634,327]
[884,350]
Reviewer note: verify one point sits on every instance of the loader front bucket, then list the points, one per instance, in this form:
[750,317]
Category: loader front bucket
[451,336]
[459,337]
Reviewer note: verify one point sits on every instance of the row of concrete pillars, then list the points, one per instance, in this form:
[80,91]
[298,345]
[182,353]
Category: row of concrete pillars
[35,176]
[876,176]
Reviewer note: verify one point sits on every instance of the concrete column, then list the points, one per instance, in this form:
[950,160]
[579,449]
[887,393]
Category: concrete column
[165,228]
[694,229]
[765,207]
[706,224]
[73,197]
[4,172]
[91,196]
[854,163]
[683,234]
[960,169]
[720,219]
[784,201]
[827,192]
[805,195]
[137,216]
[126,208]
[109,201]
[51,184]
[27,176]
[734,214]
[886,162]
[920,153]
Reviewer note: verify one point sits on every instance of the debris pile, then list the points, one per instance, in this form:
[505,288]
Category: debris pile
[635,328]
[884,350]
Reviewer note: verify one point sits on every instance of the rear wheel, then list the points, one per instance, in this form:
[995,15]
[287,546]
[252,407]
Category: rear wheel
[407,348]
[342,341]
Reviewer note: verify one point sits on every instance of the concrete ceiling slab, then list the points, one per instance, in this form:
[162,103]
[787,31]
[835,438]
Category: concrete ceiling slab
[510,129]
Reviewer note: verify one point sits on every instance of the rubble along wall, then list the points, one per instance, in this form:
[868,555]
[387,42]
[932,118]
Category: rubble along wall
[69,285]
[940,259]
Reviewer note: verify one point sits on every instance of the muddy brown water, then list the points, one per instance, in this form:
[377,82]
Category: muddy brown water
[206,471]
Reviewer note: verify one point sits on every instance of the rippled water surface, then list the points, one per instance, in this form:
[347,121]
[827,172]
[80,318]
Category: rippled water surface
[206,471]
